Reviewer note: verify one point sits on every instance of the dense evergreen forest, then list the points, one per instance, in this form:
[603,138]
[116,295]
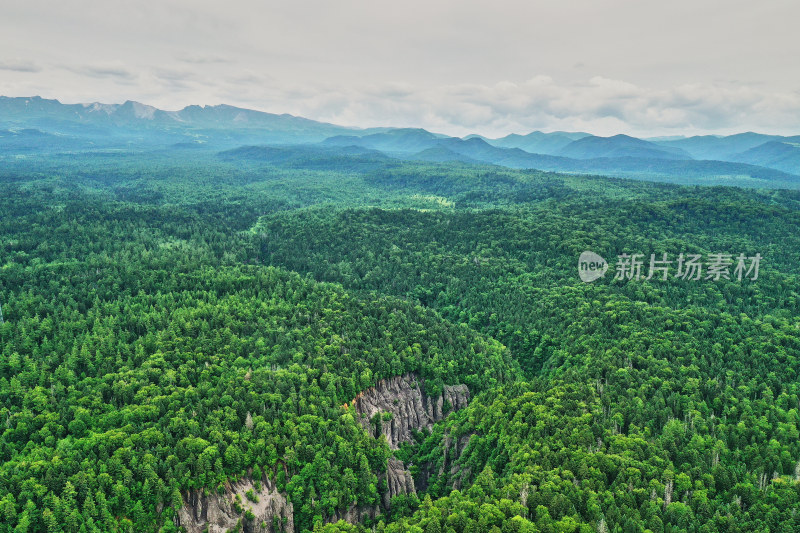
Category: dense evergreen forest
[174,321]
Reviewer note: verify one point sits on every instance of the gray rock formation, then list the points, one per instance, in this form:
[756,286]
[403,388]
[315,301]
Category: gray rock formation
[354,514]
[216,513]
[454,474]
[398,406]
[406,405]
[398,481]
[453,450]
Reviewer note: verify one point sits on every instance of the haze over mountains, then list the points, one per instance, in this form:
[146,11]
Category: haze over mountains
[31,126]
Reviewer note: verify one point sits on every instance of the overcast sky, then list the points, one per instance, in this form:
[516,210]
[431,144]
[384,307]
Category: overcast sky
[641,67]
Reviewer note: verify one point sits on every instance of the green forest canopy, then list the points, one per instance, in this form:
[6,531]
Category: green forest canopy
[154,302]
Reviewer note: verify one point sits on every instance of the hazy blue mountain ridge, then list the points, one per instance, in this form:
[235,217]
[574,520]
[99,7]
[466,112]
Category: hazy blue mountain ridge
[37,125]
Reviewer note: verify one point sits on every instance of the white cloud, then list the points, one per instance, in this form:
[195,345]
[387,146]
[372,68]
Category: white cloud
[115,69]
[20,66]
[599,105]
[456,66]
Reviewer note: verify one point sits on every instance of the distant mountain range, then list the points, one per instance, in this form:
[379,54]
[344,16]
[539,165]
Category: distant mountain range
[620,155]
[620,146]
[39,126]
[535,142]
[133,123]
[720,148]
[782,155]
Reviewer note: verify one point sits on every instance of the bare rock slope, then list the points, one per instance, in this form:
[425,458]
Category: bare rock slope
[395,408]
[218,513]
[407,407]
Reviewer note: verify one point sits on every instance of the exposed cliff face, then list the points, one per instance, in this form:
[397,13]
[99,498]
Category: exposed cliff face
[453,448]
[398,406]
[216,513]
[402,399]
[354,514]
[447,468]
[398,481]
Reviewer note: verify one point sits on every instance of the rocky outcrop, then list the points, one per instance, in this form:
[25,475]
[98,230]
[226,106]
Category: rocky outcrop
[395,408]
[398,481]
[218,513]
[453,448]
[354,514]
[403,406]
[449,470]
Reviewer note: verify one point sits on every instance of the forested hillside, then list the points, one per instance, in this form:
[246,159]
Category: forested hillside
[176,322]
